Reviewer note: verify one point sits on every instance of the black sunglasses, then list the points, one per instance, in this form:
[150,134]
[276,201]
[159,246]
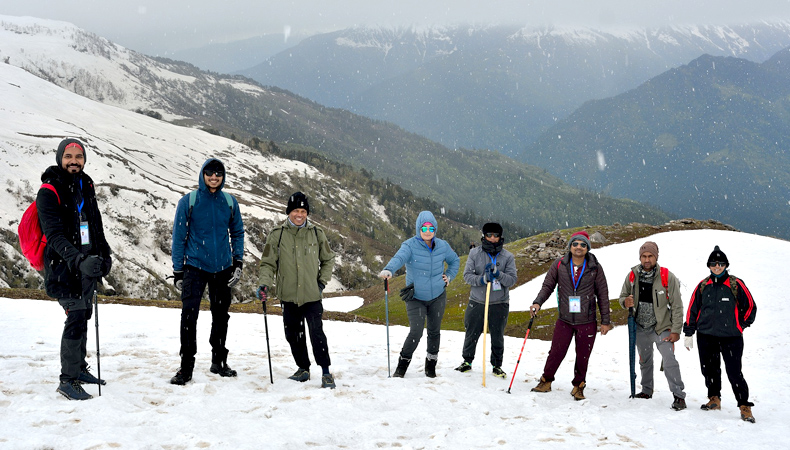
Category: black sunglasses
[577,244]
[490,235]
[717,263]
[218,173]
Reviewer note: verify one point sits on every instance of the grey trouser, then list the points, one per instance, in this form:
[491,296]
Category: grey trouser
[418,312]
[473,322]
[645,338]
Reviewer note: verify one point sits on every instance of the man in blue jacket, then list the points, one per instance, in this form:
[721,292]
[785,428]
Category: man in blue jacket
[208,249]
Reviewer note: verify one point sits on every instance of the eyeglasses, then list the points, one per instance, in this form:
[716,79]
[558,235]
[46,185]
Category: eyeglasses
[492,235]
[217,173]
[428,229]
[579,244]
[717,263]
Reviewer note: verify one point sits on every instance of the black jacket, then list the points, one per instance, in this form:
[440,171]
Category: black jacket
[714,311]
[60,221]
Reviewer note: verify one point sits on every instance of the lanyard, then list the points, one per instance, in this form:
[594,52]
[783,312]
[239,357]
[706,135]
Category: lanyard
[576,281]
[82,201]
[493,258]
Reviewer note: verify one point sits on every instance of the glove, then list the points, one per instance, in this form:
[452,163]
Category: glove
[178,279]
[495,273]
[385,274]
[407,293]
[688,342]
[106,265]
[91,266]
[321,286]
[263,293]
[236,276]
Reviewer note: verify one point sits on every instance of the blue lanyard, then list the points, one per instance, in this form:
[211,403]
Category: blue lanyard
[492,258]
[576,281]
[79,207]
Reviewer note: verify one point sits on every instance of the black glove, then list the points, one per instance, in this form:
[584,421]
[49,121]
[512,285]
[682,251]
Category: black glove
[236,275]
[407,293]
[106,265]
[321,286]
[263,293]
[91,266]
[178,279]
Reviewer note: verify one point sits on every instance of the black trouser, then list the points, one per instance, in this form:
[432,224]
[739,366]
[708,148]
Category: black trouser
[294,318]
[711,350]
[219,295]
[73,342]
[473,322]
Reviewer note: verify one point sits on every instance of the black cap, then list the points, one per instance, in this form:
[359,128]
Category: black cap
[297,200]
[62,149]
[492,227]
[718,256]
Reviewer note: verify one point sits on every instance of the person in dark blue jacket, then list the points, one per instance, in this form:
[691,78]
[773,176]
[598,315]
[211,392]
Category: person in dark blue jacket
[208,249]
[424,256]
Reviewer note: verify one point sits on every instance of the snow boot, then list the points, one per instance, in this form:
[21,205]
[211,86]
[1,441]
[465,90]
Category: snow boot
[327,381]
[543,386]
[73,390]
[222,369]
[403,364]
[301,375]
[182,377]
[86,377]
[746,413]
[643,395]
[498,372]
[714,404]
[430,366]
[679,404]
[578,391]
[464,367]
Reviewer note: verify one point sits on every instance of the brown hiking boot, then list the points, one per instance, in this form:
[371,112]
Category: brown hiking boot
[578,391]
[746,413]
[543,386]
[714,404]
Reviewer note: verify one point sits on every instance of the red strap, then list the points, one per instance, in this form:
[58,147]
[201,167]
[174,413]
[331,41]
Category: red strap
[665,278]
[51,188]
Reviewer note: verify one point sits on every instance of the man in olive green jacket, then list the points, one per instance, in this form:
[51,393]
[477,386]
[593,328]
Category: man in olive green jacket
[298,262]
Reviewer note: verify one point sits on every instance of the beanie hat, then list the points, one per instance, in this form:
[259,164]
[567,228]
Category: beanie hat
[649,247]
[67,143]
[580,236]
[214,164]
[297,200]
[718,256]
[492,227]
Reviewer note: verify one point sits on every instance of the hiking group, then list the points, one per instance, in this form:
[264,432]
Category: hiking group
[297,262]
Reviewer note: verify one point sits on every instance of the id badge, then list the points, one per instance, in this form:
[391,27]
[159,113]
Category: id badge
[575,304]
[85,236]
[496,285]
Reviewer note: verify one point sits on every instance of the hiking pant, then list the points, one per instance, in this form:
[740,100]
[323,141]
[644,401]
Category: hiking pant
[73,342]
[219,295]
[473,323]
[294,318]
[711,350]
[645,338]
[584,336]
[418,312]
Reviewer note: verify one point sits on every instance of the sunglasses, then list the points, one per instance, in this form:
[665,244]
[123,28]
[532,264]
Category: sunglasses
[492,235]
[717,263]
[428,229]
[217,173]
[579,244]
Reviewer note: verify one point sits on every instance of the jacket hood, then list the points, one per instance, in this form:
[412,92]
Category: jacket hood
[425,216]
[202,183]
[62,148]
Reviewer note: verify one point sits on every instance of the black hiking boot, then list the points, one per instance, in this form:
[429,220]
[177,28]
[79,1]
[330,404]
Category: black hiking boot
[498,372]
[73,390]
[403,364]
[643,395]
[430,368]
[222,369]
[182,377]
[327,381]
[465,366]
[679,404]
[86,377]
[301,375]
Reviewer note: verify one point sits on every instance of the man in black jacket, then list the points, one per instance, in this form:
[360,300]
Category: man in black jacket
[75,257]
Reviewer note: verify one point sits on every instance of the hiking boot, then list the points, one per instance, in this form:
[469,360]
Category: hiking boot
[498,372]
[182,377]
[679,404]
[643,395]
[73,390]
[543,386]
[327,381]
[430,368]
[222,369]
[403,364]
[88,378]
[714,404]
[301,375]
[578,391]
[746,413]
[464,367]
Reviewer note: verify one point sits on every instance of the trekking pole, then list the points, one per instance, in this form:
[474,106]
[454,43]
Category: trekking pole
[98,353]
[268,351]
[529,327]
[632,350]
[485,330]
[387,318]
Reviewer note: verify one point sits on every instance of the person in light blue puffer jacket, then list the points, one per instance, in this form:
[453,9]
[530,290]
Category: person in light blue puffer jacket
[424,256]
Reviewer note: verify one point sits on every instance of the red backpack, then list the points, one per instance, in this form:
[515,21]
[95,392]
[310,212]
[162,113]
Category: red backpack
[664,280]
[31,237]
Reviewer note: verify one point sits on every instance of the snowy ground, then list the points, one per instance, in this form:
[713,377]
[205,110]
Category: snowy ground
[138,409]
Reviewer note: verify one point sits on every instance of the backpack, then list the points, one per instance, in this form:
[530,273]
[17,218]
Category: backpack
[664,280]
[32,240]
[193,198]
[733,286]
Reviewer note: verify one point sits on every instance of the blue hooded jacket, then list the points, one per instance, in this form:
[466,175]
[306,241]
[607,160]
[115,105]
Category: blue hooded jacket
[425,266]
[205,243]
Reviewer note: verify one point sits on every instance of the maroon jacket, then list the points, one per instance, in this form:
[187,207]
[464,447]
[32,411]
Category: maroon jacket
[592,286]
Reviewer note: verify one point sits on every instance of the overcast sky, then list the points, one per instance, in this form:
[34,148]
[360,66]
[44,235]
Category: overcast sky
[163,26]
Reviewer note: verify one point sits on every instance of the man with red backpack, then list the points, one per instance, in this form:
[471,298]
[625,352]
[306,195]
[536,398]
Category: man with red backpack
[654,293]
[75,257]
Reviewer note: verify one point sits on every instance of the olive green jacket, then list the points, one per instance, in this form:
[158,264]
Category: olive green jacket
[294,261]
[667,304]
